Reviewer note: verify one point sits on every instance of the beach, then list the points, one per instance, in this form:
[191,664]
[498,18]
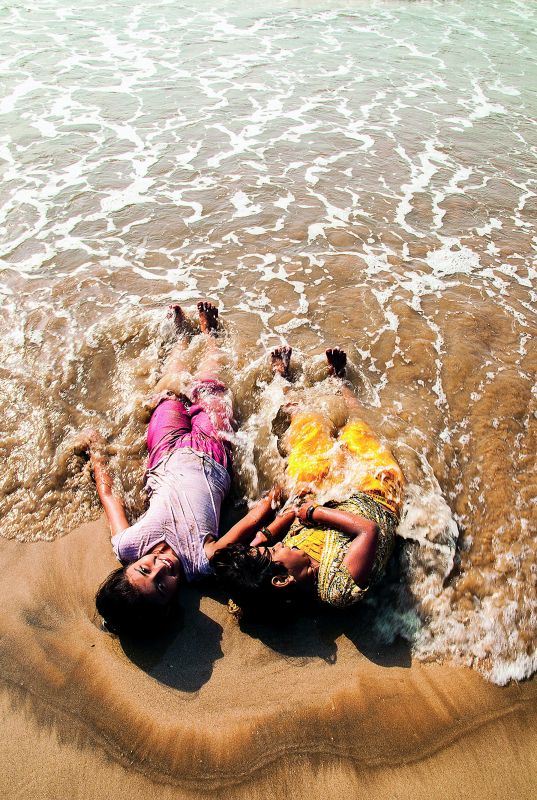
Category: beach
[360,175]
[233,716]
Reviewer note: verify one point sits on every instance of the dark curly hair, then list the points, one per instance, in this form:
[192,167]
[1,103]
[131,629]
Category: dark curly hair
[246,575]
[125,610]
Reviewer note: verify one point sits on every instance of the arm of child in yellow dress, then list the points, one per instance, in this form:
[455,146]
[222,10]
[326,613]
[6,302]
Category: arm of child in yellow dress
[360,556]
[113,505]
[244,530]
[276,530]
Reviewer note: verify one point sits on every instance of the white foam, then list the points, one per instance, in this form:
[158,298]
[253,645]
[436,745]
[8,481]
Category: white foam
[446,261]
[22,89]
[244,206]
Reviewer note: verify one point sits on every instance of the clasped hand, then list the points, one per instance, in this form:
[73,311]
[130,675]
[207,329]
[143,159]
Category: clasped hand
[281,524]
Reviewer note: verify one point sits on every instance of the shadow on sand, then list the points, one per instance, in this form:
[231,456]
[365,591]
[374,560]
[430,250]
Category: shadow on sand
[184,657]
[316,635]
[313,632]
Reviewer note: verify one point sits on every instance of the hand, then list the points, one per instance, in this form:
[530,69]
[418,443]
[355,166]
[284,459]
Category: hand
[287,513]
[276,530]
[259,539]
[91,442]
[300,512]
[275,495]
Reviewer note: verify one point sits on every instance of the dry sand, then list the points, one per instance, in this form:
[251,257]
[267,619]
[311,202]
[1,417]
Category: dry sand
[310,711]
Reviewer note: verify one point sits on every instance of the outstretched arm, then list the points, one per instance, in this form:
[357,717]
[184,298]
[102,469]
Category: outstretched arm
[112,504]
[364,533]
[245,529]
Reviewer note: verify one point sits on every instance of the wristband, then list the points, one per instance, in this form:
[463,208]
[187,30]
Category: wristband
[310,511]
[267,534]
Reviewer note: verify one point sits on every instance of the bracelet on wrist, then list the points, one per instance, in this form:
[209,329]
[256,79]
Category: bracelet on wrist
[267,534]
[310,511]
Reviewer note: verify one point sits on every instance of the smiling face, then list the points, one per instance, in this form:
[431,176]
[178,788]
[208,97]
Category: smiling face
[157,575]
[297,563]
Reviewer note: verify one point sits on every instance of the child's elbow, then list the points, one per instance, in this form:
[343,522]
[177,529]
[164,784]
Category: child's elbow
[374,532]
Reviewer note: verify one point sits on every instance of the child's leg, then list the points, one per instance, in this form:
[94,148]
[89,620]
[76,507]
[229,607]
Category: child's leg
[169,422]
[337,368]
[309,442]
[208,437]
[173,377]
[208,390]
[376,470]
[280,360]
[210,364]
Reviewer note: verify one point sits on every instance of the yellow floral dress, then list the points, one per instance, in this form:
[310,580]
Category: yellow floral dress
[378,496]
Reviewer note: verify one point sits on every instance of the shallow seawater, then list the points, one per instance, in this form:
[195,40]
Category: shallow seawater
[360,175]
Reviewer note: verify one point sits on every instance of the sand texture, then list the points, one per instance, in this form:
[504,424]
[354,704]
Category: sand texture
[215,711]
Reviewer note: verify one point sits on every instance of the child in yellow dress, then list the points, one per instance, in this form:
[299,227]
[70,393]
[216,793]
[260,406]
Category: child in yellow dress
[337,549]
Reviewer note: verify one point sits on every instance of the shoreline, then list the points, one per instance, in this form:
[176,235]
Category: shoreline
[199,716]
[468,757]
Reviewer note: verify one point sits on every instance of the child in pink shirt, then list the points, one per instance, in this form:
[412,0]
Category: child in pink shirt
[187,480]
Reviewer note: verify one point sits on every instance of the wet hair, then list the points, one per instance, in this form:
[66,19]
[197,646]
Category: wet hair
[125,610]
[246,575]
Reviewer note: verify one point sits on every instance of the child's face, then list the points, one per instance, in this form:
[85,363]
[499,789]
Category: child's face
[156,575]
[297,562]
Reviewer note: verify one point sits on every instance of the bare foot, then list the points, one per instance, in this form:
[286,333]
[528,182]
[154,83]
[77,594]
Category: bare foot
[337,362]
[280,358]
[180,319]
[208,315]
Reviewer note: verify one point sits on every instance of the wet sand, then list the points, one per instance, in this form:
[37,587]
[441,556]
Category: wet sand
[316,708]
[41,765]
